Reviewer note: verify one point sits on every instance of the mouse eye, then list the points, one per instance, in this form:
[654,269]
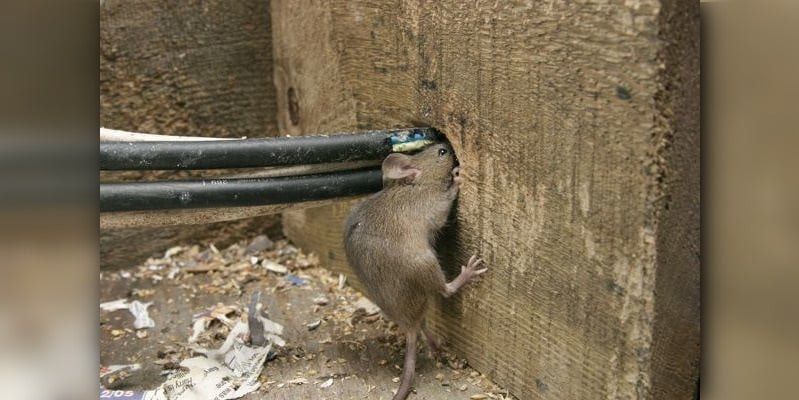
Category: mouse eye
[441,152]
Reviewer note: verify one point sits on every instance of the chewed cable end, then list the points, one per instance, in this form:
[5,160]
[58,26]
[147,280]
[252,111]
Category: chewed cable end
[411,146]
[409,140]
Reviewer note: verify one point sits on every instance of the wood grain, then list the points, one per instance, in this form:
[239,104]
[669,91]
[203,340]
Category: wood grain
[675,344]
[566,117]
[198,68]
[197,216]
[123,248]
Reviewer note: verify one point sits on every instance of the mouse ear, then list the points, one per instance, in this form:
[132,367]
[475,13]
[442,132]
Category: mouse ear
[398,166]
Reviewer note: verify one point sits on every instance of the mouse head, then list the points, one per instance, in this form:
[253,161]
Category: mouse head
[432,165]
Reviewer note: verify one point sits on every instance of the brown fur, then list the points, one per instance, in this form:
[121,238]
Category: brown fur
[389,238]
[389,242]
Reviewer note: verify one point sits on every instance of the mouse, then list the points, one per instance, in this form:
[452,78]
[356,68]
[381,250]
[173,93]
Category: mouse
[389,239]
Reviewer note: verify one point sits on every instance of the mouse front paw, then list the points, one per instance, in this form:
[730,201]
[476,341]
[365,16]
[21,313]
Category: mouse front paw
[456,176]
[469,273]
[455,186]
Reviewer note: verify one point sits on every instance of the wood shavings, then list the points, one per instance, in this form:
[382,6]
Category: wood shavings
[173,251]
[143,292]
[313,325]
[274,267]
[204,268]
[326,310]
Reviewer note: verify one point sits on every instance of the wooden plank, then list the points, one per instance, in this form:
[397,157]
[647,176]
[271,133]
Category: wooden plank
[183,68]
[676,331]
[191,68]
[564,116]
[198,216]
[122,248]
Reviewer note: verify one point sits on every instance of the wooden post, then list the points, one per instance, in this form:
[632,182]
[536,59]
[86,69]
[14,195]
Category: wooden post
[577,128]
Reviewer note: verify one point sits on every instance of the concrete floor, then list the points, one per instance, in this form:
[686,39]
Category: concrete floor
[362,355]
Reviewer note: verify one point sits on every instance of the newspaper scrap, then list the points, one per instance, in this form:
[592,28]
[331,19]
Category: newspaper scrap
[207,378]
[239,332]
[229,372]
[137,308]
[203,320]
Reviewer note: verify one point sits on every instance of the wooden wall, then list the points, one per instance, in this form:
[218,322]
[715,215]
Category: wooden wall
[200,68]
[576,124]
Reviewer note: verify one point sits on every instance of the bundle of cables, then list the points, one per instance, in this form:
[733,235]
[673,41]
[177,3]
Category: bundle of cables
[351,168]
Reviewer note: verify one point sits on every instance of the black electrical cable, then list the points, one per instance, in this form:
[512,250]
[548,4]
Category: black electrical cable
[246,153]
[236,192]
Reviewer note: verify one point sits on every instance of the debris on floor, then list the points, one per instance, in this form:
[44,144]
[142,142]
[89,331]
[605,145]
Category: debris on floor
[367,306]
[259,244]
[203,320]
[111,374]
[259,319]
[295,280]
[137,308]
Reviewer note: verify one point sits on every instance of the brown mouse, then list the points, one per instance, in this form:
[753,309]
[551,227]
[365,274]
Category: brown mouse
[389,240]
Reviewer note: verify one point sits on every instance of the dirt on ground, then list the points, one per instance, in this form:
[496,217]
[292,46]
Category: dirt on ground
[337,345]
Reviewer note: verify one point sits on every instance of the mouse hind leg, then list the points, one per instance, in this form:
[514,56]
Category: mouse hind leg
[433,343]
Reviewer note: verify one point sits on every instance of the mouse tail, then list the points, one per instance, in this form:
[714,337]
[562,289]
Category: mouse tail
[409,370]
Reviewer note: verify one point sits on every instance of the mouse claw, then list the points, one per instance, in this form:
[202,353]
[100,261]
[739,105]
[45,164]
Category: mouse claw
[474,262]
[470,269]
[456,175]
